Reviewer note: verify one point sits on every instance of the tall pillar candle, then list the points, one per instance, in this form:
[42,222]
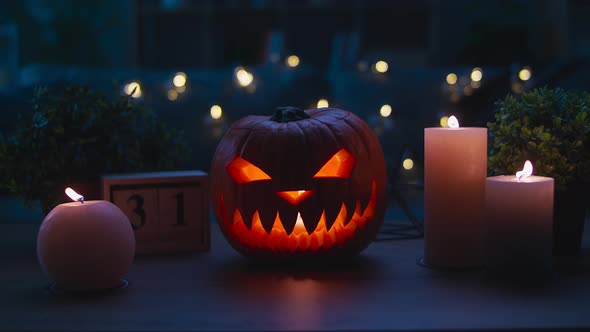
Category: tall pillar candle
[455,162]
[519,224]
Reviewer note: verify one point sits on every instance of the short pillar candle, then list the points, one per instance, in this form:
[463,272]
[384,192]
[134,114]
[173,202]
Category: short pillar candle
[519,224]
[455,162]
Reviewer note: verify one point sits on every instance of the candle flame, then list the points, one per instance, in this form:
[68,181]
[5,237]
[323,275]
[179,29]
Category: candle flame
[74,195]
[525,172]
[452,122]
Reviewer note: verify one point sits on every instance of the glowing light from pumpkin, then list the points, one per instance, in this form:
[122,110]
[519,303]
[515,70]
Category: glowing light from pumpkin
[526,171]
[216,112]
[381,66]
[452,79]
[453,122]
[444,121]
[179,79]
[292,61]
[172,95]
[73,195]
[525,74]
[385,110]
[408,164]
[295,196]
[323,103]
[340,165]
[299,228]
[243,171]
[301,239]
[244,77]
[133,89]
[476,74]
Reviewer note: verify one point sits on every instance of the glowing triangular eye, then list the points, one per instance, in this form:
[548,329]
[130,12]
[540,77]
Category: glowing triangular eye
[243,171]
[339,166]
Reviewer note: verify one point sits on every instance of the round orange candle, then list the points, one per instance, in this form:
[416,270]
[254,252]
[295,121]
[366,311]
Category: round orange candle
[86,245]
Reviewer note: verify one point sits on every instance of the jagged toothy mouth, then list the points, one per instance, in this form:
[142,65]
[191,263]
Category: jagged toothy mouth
[299,240]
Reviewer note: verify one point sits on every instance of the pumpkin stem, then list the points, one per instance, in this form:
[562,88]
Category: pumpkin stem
[288,114]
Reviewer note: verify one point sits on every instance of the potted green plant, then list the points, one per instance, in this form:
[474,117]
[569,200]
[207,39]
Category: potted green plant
[73,136]
[550,127]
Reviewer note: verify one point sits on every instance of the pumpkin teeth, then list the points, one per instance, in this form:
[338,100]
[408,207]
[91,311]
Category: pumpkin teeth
[350,208]
[289,218]
[299,239]
[364,204]
[267,216]
[333,211]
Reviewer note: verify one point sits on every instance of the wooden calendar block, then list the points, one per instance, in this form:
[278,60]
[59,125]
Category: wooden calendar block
[169,211]
[178,206]
[141,208]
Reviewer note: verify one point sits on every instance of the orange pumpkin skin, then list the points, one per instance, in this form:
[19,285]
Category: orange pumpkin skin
[308,184]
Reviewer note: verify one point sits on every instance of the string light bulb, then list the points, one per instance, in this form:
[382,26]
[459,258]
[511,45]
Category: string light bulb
[381,66]
[322,103]
[179,79]
[476,74]
[408,164]
[385,110]
[292,61]
[172,95]
[216,112]
[524,74]
[133,89]
[452,79]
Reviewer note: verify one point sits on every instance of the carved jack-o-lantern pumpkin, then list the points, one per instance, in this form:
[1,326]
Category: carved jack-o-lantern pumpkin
[299,183]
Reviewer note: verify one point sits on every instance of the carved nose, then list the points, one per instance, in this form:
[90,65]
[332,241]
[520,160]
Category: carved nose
[295,196]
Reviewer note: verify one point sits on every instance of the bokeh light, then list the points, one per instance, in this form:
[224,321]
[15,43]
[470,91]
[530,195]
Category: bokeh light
[133,89]
[292,61]
[172,95]
[476,74]
[408,164]
[452,78]
[179,79]
[385,110]
[244,77]
[517,87]
[323,103]
[216,112]
[381,66]
[524,74]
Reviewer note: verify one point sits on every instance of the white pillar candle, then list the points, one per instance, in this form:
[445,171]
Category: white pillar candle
[519,223]
[455,162]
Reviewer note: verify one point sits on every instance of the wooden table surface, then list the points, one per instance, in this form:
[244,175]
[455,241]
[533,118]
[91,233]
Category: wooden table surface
[383,289]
